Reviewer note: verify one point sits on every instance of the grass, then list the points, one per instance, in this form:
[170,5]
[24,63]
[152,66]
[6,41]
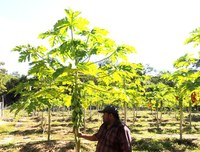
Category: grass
[6,128]
[24,133]
[165,144]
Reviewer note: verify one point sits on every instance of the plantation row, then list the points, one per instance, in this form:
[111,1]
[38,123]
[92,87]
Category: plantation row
[83,67]
[28,132]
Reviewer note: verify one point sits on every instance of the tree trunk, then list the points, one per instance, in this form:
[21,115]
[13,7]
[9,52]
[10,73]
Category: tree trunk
[190,115]
[77,140]
[151,111]
[90,111]
[125,112]
[136,112]
[134,116]
[161,111]
[84,119]
[43,124]
[49,123]
[63,113]
[77,113]
[2,106]
[125,104]
[157,119]
[181,118]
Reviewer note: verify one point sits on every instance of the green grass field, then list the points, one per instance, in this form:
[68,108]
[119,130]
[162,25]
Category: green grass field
[24,133]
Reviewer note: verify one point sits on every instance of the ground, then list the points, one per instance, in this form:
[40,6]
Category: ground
[24,133]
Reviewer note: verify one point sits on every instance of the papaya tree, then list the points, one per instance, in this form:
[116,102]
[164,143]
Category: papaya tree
[184,78]
[38,93]
[136,88]
[153,97]
[165,94]
[194,39]
[178,78]
[124,78]
[159,93]
[73,55]
[189,64]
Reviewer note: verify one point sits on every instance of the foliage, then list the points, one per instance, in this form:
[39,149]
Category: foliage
[70,61]
[3,78]
[194,37]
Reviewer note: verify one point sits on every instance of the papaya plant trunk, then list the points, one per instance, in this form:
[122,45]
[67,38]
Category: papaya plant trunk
[170,111]
[157,119]
[161,111]
[49,123]
[134,114]
[84,119]
[42,122]
[125,112]
[190,115]
[76,113]
[125,104]
[181,118]
[90,110]
[63,113]
[136,111]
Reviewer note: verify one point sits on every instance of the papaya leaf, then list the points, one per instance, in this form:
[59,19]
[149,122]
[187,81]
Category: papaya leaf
[61,70]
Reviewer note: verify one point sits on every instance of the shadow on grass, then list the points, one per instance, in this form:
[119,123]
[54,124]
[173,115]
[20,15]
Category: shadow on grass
[90,119]
[26,132]
[88,130]
[150,144]
[44,146]
[10,147]
[194,118]
[155,130]
[59,125]
[136,131]
[194,129]
[64,120]
[35,119]
[162,130]
[51,146]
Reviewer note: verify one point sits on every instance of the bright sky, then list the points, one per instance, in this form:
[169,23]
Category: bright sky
[156,28]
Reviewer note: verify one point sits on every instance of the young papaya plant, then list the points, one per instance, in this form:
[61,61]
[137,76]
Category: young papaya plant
[73,55]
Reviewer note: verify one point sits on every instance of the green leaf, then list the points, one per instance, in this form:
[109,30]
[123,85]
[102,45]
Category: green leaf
[67,100]
[194,38]
[99,31]
[60,71]
[88,68]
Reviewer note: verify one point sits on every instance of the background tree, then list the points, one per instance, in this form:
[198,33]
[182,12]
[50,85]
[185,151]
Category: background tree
[3,78]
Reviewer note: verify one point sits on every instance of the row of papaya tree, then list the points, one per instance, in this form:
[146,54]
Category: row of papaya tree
[83,66]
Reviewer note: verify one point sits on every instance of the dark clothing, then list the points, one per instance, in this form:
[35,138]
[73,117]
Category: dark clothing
[117,138]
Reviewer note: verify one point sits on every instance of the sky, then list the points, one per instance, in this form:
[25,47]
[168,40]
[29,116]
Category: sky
[156,28]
